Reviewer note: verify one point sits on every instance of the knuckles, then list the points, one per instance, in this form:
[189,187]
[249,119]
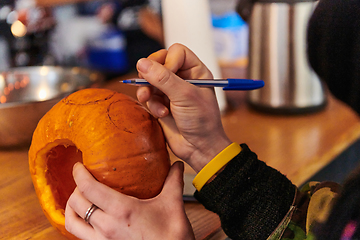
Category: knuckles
[85,186]
[108,231]
[163,76]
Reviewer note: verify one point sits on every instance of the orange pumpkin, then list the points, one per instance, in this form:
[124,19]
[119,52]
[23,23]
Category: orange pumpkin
[115,137]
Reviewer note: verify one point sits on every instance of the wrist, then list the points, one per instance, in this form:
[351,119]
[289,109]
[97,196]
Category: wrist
[204,154]
[216,165]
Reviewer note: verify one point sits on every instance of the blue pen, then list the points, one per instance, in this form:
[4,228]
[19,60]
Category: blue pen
[226,84]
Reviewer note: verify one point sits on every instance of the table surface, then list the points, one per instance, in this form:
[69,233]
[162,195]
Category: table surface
[298,146]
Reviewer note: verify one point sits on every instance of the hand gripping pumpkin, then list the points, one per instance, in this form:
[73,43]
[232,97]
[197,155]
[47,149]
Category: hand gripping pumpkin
[114,136]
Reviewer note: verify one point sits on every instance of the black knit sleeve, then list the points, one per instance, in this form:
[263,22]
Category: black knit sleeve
[250,197]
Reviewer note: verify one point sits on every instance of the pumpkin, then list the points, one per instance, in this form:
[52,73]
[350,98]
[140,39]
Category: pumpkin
[114,136]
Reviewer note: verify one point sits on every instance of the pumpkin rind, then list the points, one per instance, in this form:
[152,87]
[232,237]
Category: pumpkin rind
[121,144]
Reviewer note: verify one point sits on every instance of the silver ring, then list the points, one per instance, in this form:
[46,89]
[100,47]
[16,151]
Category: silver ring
[89,212]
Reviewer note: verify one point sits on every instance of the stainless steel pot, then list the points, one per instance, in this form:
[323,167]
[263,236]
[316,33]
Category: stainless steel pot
[27,93]
[277,55]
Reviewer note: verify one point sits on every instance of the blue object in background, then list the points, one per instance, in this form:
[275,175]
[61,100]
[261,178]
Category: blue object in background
[228,20]
[107,53]
[230,36]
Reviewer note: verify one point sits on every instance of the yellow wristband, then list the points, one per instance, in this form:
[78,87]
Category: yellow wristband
[215,165]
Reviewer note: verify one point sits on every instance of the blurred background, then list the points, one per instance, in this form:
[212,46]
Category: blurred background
[105,35]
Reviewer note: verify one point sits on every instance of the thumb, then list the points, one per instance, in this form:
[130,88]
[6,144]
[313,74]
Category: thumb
[174,183]
[162,78]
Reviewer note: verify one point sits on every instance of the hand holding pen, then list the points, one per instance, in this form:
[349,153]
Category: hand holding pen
[189,115]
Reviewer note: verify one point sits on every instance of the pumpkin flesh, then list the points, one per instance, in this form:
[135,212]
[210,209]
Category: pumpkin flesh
[60,161]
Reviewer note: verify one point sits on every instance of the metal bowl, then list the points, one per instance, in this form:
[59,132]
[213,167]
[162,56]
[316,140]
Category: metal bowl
[27,93]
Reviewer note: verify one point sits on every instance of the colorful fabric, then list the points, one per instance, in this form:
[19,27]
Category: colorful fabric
[349,230]
[255,201]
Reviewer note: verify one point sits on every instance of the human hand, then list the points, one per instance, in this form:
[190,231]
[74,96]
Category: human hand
[189,115]
[124,217]
[106,12]
[151,24]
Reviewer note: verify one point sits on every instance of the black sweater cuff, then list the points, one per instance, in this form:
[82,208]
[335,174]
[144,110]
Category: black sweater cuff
[250,197]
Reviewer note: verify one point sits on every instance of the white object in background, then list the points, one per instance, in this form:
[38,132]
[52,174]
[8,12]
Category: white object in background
[24,4]
[70,37]
[5,55]
[230,37]
[189,22]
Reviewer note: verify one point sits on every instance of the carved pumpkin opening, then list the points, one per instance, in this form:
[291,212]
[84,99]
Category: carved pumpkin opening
[60,161]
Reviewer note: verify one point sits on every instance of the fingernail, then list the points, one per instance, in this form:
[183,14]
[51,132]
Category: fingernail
[144,65]
[76,165]
[163,112]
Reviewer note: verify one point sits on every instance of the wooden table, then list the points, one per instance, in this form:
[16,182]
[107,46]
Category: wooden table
[22,218]
[298,146]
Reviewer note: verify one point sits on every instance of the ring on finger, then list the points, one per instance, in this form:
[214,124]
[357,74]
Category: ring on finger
[89,212]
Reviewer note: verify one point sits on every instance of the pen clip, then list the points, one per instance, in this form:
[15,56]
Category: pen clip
[244,84]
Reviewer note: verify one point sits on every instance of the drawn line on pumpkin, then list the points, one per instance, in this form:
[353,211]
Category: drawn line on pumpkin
[113,121]
[70,102]
[126,130]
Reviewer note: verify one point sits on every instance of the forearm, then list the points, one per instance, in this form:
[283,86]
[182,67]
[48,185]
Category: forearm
[250,197]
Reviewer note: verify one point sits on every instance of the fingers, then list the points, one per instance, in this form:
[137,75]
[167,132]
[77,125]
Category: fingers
[99,222]
[172,197]
[182,61]
[164,70]
[162,78]
[154,97]
[158,216]
[143,94]
[174,183]
[157,106]
[111,203]
[155,102]
[96,192]
[159,69]
[158,56]
[75,210]
[173,135]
